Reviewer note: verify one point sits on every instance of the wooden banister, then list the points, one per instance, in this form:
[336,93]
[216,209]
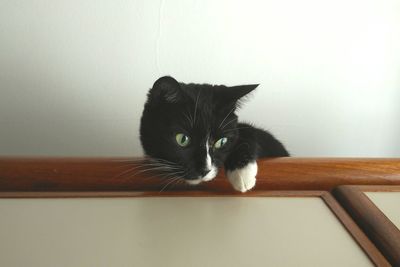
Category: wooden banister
[371,219]
[130,174]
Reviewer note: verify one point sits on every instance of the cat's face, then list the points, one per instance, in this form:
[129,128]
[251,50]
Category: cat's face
[189,129]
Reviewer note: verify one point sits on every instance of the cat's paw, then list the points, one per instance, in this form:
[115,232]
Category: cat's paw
[243,179]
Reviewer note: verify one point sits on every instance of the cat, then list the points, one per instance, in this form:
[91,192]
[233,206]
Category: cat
[191,130]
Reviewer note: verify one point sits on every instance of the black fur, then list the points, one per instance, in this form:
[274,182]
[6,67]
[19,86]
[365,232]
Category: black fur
[202,112]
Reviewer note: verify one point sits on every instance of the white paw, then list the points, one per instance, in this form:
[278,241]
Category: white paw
[243,179]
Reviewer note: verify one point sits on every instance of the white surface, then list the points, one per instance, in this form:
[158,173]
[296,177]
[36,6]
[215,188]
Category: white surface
[388,203]
[176,232]
[74,74]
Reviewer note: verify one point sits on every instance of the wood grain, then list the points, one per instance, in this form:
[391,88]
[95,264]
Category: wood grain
[374,223]
[112,174]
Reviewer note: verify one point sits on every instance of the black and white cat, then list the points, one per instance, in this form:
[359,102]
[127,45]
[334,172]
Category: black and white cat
[191,130]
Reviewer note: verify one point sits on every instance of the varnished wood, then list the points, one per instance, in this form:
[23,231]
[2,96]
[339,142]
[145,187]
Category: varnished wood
[112,174]
[378,188]
[354,230]
[375,224]
[366,245]
[116,194]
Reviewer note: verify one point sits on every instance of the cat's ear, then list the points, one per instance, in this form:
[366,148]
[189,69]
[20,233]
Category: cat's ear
[233,94]
[166,89]
[239,91]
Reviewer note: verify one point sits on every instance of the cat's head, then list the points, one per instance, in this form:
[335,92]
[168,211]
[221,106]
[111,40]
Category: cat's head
[189,129]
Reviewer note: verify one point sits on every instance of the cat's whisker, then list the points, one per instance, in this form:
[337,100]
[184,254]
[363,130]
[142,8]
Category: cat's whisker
[126,165]
[189,119]
[173,180]
[160,172]
[144,164]
[128,172]
[161,176]
[184,173]
[166,180]
[145,161]
[153,165]
[226,124]
[162,160]
[195,108]
[151,169]
[169,175]
[176,182]
[135,167]
[234,129]
[130,160]
[175,176]
[227,116]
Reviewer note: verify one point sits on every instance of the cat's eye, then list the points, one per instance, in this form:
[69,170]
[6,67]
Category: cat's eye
[221,142]
[182,139]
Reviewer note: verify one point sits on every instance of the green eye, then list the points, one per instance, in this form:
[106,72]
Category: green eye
[221,142]
[182,140]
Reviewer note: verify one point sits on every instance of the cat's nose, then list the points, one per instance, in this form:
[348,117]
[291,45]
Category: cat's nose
[204,172]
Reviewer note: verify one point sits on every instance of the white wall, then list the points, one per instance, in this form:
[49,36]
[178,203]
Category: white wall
[74,74]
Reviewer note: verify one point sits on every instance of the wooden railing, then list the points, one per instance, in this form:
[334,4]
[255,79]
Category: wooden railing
[299,177]
[130,174]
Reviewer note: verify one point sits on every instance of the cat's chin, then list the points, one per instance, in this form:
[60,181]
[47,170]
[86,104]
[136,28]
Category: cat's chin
[194,182]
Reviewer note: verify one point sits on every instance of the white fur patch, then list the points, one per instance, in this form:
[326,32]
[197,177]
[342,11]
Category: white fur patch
[213,170]
[211,175]
[208,158]
[243,179]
